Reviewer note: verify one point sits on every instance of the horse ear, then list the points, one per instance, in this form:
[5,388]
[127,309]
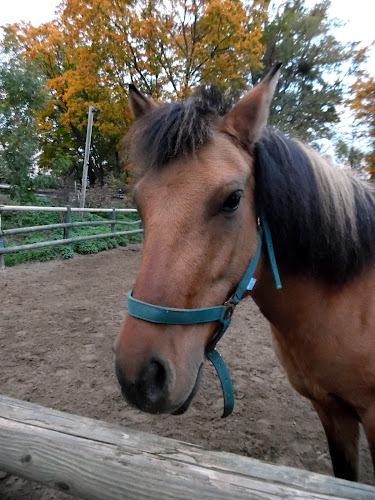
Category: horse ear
[249,116]
[139,103]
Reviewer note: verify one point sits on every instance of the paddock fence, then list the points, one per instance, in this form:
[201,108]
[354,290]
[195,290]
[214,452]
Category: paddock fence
[93,460]
[66,226]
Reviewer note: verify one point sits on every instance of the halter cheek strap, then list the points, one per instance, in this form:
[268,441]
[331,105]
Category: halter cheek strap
[222,314]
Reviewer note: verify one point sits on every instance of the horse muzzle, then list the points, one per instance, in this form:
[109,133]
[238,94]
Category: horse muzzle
[151,389]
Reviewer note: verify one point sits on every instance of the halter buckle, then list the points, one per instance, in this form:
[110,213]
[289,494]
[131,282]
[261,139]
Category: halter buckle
[229,308]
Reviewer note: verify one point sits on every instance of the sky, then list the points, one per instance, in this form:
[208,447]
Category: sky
[358,16]
[34,11]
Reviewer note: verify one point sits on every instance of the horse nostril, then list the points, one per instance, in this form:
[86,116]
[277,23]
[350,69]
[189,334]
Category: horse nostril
[153,380]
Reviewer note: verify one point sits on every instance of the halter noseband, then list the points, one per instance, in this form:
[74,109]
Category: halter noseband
[223,314]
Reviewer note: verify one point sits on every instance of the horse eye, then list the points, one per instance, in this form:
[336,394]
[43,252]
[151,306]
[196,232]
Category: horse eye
[232,202]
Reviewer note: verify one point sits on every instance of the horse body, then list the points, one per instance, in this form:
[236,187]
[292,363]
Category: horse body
[324,339]
[203,179]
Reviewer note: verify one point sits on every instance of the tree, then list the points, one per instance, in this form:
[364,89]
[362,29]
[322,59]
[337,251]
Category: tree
[73,75]
[168,48]
[96,47]
[21,92]
[348,154]
[311,85]
[363,104]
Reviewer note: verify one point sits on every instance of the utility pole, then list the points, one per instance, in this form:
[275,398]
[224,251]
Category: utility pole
[87,156]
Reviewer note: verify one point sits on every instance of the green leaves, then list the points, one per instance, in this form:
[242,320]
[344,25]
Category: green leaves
[22,94]
[311,85]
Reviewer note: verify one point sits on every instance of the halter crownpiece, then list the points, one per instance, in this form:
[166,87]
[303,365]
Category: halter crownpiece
[222,314]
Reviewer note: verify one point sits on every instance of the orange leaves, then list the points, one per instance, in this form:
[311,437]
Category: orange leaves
[163,47]
[364,100]
[96,47]
[363,105]
[225,48]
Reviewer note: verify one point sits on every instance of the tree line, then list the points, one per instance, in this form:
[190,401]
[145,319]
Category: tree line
[51,74]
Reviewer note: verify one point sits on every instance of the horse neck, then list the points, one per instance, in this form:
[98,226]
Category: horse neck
[299,299]
[304,303]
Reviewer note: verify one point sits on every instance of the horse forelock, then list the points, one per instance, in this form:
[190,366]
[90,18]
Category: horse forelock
[321,217]
[177,129]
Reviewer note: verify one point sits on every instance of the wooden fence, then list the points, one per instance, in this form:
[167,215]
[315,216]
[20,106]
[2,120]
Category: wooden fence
[66,226]
[96,460]
[92,460]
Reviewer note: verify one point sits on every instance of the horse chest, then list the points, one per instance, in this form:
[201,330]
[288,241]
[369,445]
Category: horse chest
[307,371]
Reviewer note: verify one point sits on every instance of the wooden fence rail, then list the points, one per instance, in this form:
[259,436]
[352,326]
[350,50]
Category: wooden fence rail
[30,229]
[66,226]
[96,460]
[20,208]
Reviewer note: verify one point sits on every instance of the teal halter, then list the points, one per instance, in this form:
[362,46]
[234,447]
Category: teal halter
[223,314]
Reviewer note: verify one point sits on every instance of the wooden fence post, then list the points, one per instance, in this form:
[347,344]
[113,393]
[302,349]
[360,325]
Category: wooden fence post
[2,256]
[68,220]
[113,225]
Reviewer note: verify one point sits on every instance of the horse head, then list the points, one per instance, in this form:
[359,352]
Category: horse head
[195,197]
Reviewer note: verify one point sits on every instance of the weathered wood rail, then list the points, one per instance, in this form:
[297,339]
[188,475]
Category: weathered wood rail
[96,460]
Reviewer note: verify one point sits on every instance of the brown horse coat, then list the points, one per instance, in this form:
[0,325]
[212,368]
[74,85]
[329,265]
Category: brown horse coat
[202,176]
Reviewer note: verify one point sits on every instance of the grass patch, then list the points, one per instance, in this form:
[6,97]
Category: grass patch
[11,220]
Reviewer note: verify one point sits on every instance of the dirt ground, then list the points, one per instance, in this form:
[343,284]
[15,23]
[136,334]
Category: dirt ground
[58,321]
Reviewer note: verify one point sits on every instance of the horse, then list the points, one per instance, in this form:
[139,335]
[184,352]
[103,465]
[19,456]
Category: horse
[206,174]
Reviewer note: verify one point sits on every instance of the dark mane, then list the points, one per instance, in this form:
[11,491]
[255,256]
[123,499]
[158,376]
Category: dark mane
[322,219]
[176,129]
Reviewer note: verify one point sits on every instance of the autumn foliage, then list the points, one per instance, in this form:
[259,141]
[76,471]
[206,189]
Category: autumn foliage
[94,48]
[363,104]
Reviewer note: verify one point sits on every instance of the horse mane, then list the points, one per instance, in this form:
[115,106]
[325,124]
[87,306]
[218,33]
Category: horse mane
[322,218]
[176,129]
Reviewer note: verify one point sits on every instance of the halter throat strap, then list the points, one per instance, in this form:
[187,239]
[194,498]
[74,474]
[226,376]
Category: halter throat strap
[222,314]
